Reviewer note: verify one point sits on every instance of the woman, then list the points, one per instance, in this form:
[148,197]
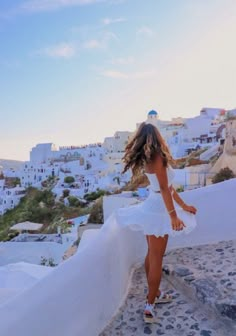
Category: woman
[157,216]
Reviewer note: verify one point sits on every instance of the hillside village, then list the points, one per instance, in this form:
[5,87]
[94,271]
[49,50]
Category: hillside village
[98,166]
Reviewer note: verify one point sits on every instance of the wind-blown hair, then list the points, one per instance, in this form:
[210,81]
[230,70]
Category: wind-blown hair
[145,145]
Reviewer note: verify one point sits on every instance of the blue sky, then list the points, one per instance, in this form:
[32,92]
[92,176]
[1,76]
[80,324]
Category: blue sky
[75,71]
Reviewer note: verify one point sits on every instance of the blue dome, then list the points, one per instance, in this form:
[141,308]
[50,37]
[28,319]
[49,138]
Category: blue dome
[152,112]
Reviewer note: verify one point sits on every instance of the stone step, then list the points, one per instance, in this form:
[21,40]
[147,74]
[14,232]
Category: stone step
[207,275]
[204,291]
[182,317]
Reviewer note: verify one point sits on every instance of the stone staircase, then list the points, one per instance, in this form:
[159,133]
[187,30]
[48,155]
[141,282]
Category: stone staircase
[208,275]
[202,280]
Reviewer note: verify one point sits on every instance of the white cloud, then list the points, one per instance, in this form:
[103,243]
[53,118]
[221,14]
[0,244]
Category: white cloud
[128,75]
[49,5]
[145,31]
[122,61]
[114,74]
[108,36]
[71,49]
[108,21]
[62,50]
[100,43]
[93,44]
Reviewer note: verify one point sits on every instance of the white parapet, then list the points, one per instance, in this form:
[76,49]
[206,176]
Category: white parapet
[113,202]
[80,296]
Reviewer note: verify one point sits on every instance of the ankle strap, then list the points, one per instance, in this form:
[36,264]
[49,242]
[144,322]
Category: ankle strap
[149,306]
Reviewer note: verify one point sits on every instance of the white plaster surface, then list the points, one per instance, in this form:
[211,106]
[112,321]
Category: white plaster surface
[91,285]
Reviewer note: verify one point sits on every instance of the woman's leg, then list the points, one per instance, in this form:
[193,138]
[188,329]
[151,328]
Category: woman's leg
[163,252]
[155,255]
[146,262]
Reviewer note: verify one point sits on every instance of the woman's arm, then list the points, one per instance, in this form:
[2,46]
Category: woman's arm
[176,197]
[180,201]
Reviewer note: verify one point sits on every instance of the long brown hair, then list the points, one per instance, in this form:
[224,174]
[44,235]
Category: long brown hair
[145,145]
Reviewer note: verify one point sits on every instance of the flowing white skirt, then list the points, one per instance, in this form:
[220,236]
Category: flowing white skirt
[151,217]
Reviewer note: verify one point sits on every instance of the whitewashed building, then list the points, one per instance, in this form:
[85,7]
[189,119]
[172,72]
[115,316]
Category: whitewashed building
[118,142]
[184,134]
[33,174]
[43,153]
[9,197]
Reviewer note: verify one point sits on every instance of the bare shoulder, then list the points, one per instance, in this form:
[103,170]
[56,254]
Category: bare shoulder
[155,166]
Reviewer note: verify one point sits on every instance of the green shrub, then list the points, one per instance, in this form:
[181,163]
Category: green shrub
[73,201]
[66,193]
[95,195]
[41,215]
[180,189]
[224,174]
[69,179]
[45,196]
[47,262]
[16,181]
[12,235]
[96,214]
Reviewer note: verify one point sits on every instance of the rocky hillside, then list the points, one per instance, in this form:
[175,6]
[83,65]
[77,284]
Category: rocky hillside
[10,164]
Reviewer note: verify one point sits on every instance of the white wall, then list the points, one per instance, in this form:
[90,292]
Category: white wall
[33,174]
[42,153]
[30,252]
[210,152]
[114,162]
[2,183]
[95,280]
[79,296]
[216,215]
[197,126]
[111,203]
[118,142]
[108,144]
[9,198]
[211,112]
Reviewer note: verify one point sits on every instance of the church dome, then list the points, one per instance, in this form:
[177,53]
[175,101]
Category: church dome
[152,113]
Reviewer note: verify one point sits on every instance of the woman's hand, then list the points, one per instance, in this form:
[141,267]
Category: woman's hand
[177,224]
[189,208]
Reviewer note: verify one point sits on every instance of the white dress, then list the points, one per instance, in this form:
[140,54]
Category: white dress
[151,216]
